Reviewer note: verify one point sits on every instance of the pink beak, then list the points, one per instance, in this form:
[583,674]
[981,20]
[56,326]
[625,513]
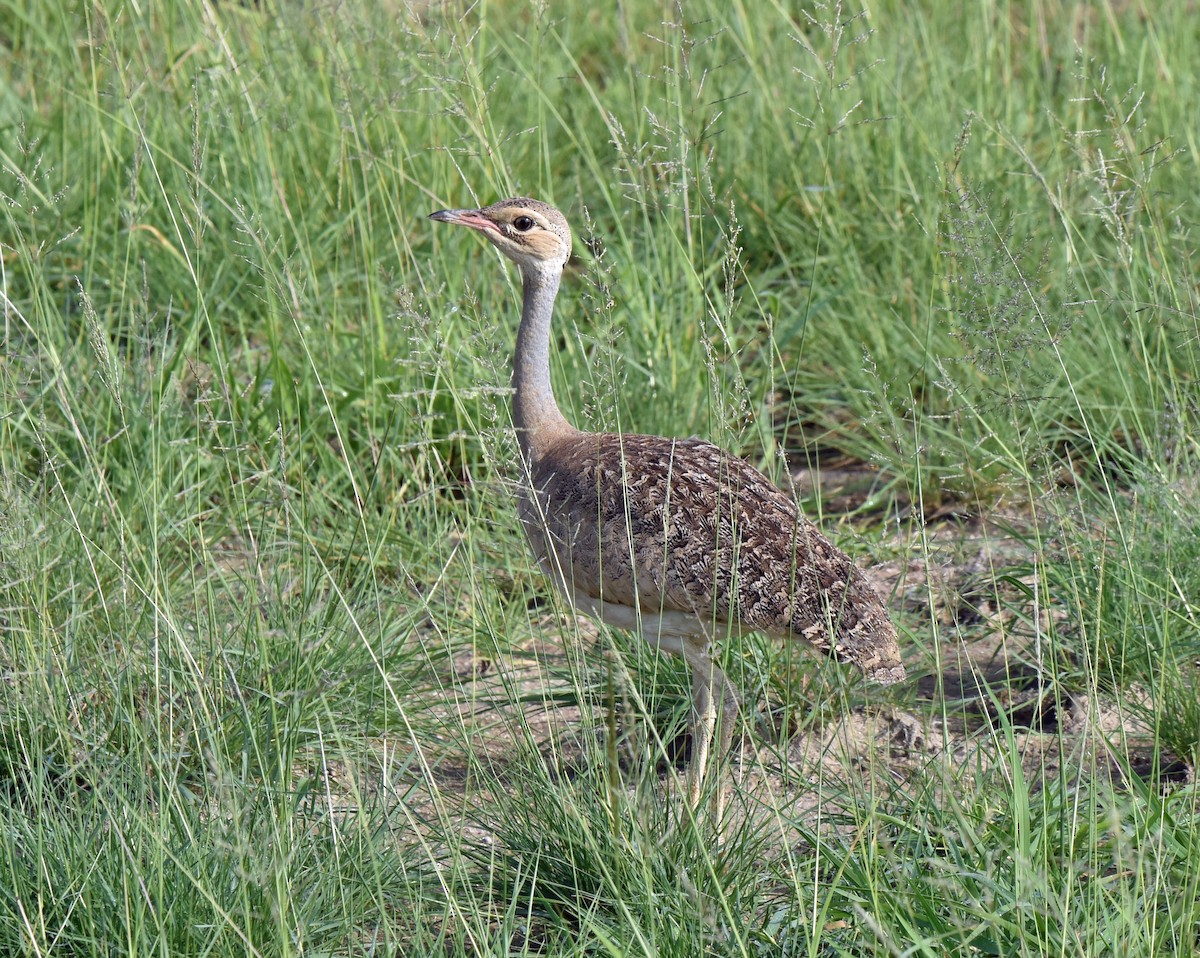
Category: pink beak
[472,218]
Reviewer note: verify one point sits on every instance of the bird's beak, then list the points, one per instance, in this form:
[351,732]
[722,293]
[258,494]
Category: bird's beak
[472,218]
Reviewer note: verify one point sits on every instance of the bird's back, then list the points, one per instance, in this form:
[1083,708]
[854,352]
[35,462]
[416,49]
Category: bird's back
[680,526]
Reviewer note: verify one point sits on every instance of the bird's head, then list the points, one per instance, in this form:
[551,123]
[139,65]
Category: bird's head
[534,235]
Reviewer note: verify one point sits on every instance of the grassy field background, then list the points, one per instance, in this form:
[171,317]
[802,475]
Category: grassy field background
[278,674]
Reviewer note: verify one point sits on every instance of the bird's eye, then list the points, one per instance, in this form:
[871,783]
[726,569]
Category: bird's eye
[523,224]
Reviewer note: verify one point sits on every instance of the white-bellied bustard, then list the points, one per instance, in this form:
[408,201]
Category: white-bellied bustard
[673,538]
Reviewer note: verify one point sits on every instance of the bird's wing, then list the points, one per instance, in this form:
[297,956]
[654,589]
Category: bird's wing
[679,525]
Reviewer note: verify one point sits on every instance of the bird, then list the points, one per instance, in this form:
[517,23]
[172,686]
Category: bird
[672,538]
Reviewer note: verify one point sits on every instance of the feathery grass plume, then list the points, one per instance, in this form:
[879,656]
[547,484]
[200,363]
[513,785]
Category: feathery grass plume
[664,170]
[607,375]
[732,407]
[107,365]
[999,313]
[833,68]
[1120,155]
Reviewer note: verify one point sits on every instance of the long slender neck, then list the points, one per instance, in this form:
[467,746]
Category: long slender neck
[535,413]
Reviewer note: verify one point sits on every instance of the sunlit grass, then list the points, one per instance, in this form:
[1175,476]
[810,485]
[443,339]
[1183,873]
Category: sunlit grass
[278,674]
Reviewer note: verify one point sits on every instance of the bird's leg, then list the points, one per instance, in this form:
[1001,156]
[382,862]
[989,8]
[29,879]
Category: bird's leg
[727,714]
[702,721]
[709,714]
[726,711]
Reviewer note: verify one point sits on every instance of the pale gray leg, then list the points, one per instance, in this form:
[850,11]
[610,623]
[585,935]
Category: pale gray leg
[707,716]
[702,721]
[727,713]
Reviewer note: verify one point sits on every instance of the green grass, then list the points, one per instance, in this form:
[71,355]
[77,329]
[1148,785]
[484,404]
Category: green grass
[277,674]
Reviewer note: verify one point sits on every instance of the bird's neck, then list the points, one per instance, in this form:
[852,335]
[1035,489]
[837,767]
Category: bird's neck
[535,412]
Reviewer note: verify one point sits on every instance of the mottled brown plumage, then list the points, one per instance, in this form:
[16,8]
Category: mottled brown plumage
[674,538]
[680,526]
